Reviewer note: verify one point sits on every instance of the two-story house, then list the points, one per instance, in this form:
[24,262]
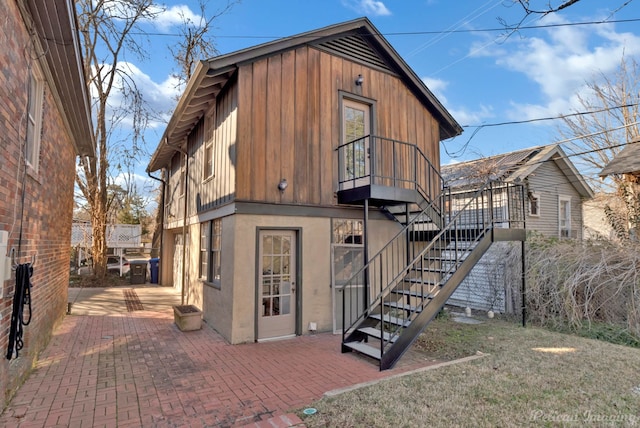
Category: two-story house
[287,168]
[44,124]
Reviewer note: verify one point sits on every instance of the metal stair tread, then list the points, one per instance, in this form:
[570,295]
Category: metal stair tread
[403,306]
[422,281]
[412,293]
[365,349]
[374,332]
[392,320]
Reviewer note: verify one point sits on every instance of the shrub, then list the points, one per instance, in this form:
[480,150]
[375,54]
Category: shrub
[578,285]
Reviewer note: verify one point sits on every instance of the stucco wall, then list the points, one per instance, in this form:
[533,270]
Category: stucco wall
[231,308]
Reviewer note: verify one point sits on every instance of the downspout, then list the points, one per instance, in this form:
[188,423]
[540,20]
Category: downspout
[161,208]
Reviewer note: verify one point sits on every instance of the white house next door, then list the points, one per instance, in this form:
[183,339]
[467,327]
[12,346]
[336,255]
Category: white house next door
[276,284]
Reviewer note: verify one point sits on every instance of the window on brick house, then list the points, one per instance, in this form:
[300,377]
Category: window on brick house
[34,118]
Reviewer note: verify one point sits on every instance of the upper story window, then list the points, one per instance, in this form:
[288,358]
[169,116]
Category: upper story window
[207,170]
[34,118]
[183,173]
[208,159]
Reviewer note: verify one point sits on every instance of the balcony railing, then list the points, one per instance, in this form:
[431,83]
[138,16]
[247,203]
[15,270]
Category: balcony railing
[378,161]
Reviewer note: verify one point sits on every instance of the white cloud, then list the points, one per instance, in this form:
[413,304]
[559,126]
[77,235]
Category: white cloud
[469,117]
[461,115]
[562,62]
[159,97]
[174,16]
[367,7]
[437,86]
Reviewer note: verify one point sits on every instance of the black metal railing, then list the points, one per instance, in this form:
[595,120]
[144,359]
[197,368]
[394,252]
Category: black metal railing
[406,276]
[373,160]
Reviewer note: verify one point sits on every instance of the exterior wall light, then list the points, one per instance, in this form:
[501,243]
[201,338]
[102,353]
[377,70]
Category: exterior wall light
[283,185]
[359,80]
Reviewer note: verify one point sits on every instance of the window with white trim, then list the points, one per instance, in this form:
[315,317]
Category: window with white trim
[34,118]
[564,216]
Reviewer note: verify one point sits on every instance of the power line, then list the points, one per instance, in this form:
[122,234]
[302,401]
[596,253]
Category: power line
[462,149]
[417,33]
[573,154]
[540,119]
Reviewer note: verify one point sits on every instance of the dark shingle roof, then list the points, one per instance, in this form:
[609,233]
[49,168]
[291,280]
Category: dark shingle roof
[478,171]
[512,167]
[625,162]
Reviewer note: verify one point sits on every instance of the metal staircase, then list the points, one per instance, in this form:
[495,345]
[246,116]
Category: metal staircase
[411,278]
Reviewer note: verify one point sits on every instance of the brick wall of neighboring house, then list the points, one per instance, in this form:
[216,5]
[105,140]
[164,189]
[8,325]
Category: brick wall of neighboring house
[45,195]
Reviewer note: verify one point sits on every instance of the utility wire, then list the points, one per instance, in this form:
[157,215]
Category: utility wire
[417,33]
[462,150]
[567,155]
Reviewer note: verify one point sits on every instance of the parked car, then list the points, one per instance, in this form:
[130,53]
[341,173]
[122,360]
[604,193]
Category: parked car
[113,266]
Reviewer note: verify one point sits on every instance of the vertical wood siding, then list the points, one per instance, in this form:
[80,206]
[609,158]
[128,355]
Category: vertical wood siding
[218,126]
[289,123]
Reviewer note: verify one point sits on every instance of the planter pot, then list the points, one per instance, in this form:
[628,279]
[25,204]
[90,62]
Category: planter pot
[187,317]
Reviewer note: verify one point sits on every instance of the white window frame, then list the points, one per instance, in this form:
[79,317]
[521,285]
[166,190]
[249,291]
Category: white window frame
[567,227]
[534,199]
[34,118]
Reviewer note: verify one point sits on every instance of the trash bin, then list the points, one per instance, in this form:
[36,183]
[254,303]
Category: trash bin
[138,271]
[153,269]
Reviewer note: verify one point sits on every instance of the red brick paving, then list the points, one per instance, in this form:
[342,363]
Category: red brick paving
[137,369]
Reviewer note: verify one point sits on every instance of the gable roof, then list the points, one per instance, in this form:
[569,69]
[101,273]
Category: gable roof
[625,162]
[513,167]
[357,40]
[54,24]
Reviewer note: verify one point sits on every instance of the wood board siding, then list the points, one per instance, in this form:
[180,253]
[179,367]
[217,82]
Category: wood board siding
[289,123]
[219,125]
[219,128]
[549,182]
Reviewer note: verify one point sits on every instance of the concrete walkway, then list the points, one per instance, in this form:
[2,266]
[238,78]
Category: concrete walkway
[112,363]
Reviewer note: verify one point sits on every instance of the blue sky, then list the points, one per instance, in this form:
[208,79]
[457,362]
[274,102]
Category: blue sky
[480,77]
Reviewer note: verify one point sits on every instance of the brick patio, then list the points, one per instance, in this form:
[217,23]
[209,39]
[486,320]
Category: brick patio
[136,369]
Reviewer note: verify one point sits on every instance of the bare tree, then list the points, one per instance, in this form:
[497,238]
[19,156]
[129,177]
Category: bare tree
[597,137]
[107,30]
[196,41]
[542,8]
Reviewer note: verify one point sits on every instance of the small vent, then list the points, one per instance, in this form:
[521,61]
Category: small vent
[355,47]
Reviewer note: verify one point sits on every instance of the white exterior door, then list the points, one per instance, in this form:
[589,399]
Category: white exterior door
[277,284]
[356,122]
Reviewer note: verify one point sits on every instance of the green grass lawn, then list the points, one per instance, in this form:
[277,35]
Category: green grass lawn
[527,377]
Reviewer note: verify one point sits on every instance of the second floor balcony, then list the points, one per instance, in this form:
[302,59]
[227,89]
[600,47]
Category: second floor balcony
[385,172]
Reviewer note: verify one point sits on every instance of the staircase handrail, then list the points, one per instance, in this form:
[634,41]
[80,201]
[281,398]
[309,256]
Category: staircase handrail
[407,267]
